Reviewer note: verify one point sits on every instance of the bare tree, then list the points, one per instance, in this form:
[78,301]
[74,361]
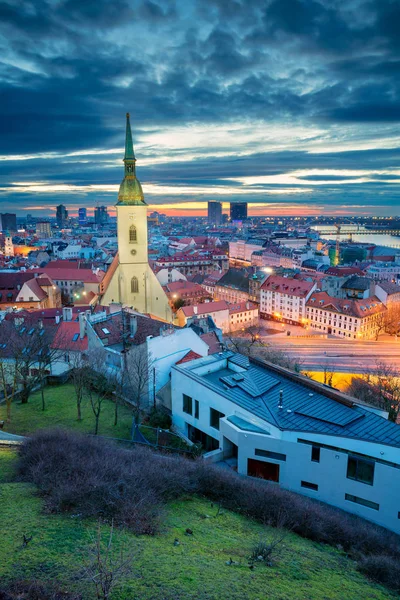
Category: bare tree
[379,387]
[27,350]
[393,320]
[8,382]
[246,341]
[99,384]
[105,569]
[136,378]
[250,343]
[328,371]
[79,379]
[380,323]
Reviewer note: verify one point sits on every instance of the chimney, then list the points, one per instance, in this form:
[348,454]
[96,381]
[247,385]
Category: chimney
[280,403]
[67,313]
[133,325]
[195,309]
[57,319]
[115,307]
[247,305]
[82,325]
[40,323]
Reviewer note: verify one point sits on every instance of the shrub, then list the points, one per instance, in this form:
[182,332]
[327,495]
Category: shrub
[381,568]
[269,550]
[159,418]
[96,478]
[34,590]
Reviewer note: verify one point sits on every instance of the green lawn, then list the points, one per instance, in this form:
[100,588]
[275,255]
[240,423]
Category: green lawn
[194,569]
[61,412]
[7,464]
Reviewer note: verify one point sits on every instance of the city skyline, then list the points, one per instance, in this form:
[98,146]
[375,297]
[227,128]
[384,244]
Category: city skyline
[290,106]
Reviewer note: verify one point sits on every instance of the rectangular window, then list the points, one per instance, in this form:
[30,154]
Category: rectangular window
[361,501]
[309,486]
[187,404]
[315,453]
[268,454]
[196,409]
[360,470]
[215,416]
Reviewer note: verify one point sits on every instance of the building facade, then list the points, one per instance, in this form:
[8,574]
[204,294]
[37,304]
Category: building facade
[284,299]
[43,229]
[238,211]
[349,318]
[61,216]
[8,222]
[214,213]
[82,216]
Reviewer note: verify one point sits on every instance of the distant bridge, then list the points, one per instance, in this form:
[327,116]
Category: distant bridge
[351,232]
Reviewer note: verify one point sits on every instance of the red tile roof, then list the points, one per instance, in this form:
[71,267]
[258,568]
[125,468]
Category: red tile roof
[212,342]
[204,309]
[68,274]
[242,307]
[287,285]
[67,337]
[188,357]
[355,308]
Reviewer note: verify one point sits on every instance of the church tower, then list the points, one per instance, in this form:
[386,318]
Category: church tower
[8,245]
[132,281]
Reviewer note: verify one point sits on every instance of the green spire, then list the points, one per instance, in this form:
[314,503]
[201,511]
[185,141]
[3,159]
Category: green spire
[130,191]
[129,152]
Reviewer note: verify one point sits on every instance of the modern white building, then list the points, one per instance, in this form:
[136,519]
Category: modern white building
[292,431]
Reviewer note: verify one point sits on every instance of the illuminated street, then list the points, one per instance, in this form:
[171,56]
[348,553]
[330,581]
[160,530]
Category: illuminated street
[338,355]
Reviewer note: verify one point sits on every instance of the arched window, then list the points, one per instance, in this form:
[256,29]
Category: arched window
[132,234]
[134,285]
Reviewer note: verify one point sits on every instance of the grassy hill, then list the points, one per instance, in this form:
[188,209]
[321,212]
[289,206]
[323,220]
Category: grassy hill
[194,569]
[61,412]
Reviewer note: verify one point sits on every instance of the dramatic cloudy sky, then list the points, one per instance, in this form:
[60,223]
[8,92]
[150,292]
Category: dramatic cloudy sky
[291,105]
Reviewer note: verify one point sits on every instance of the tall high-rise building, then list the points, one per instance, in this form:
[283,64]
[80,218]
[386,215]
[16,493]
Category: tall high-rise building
[238,211]
[43,229]
[100,215]
[82,216]
[130,279]
[61,215]
[214,212]
[8,222]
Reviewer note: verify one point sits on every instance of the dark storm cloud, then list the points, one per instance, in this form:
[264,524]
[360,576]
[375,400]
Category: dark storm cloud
[70,70]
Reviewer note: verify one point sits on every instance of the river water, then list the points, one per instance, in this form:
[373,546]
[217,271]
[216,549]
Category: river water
[365,237]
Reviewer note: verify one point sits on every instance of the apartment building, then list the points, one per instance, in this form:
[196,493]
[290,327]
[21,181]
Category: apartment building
[290,430]
[344,317]
[284,298]
[233,287]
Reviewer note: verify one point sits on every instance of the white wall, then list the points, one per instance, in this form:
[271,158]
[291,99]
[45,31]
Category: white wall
[166,351]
